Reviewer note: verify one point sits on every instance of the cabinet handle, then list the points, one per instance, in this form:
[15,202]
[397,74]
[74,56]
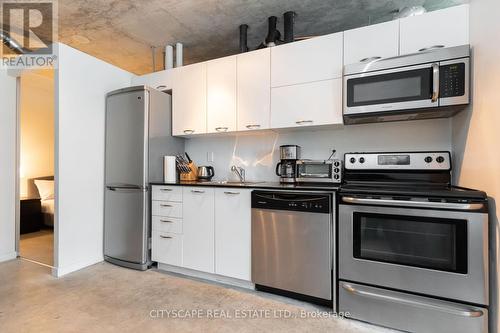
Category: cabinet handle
[197,191]
[433,47]
[300,122]
[227,192]
[368,59]
[166,221]
[253,126]
[165,205]
[165,189]
[188,131]
[166,237]
[221,129]
[161,87]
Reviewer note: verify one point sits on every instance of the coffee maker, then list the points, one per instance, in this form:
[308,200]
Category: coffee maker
[286,168]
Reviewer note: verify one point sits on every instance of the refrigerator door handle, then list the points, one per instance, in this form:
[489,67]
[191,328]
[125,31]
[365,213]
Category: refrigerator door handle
[126,188]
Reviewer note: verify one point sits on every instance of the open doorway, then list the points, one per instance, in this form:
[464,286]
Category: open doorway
[36,166]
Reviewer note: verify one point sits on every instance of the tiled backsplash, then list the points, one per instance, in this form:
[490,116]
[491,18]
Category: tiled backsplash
[258,152]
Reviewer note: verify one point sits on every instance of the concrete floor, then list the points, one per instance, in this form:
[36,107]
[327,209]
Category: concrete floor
[107,298]
[38,246]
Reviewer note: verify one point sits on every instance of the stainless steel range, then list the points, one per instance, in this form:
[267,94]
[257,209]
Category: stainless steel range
[413,250]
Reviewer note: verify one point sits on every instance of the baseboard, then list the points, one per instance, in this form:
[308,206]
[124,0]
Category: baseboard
[207,276]
[8,256]
[61,271]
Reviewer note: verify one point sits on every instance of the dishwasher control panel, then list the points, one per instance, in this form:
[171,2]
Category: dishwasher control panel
[301,202]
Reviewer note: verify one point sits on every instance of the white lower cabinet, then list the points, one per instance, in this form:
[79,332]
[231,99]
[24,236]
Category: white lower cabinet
[198,228]
[233,232]
[166,248]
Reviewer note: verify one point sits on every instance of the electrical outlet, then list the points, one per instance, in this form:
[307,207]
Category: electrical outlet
[210,156]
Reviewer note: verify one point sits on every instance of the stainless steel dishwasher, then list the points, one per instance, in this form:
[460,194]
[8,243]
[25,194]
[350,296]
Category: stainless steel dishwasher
[292,244]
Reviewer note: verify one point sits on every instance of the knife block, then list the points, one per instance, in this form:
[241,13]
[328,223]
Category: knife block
[192,175]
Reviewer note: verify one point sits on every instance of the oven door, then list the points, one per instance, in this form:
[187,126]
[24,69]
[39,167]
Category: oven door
[427,251]
[411,87]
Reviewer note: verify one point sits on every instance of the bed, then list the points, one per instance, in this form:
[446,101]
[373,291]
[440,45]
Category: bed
[43,188]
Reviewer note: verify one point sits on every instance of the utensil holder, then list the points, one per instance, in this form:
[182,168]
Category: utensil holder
[192,175]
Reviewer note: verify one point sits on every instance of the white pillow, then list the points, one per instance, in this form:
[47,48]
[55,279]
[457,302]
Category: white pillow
[45,188]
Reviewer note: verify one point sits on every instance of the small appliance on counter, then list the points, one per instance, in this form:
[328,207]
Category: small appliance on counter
[286,168]
[413,249]
[320,171]
[205,173]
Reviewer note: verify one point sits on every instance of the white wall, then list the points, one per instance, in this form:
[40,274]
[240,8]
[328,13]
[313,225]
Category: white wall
[258,153]
[8,137]
[82,82]
[476,135]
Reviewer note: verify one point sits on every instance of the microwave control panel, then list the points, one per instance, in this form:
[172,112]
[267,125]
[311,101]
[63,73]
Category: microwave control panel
[452,80]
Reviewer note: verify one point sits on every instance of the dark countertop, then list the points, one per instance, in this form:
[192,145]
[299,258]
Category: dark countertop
[256,185]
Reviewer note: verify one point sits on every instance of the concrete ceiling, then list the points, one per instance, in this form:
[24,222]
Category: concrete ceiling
[123,31]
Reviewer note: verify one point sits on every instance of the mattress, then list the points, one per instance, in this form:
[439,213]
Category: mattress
[48,212]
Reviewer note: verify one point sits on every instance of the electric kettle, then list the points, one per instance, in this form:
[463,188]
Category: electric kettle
[205,172]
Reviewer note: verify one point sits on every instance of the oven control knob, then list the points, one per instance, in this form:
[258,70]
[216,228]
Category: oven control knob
[440,159]
[352,160]
[428,159]
[361,160]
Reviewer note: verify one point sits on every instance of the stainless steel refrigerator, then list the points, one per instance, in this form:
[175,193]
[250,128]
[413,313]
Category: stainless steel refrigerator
[138,135]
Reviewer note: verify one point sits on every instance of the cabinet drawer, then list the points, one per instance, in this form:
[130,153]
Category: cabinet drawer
[167,209]
[167,248]
[167,224]
[408,312]
[167,193]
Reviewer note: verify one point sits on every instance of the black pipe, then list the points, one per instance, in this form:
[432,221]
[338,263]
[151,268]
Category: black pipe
[272,33]
[289,22]
[243,38]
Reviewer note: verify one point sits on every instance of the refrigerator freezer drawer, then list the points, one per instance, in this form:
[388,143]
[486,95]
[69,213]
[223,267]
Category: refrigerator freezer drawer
[409,312]
[167,193]
[167,224]
[167,209]
[167,248]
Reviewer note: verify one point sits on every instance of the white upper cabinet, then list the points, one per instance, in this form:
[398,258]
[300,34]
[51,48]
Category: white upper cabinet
[254,90]
[198,228]
[373,41]
[233,232]
[161,80]
[189,100]
[221,95]
[441,28]
[310,60]
[310,104]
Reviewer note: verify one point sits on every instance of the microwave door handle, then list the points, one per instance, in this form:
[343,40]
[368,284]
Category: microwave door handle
[435,82]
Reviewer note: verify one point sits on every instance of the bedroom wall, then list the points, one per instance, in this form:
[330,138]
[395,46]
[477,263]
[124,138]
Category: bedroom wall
[8,122]
[82,82]
[36,126]
[476,135]
[258,152]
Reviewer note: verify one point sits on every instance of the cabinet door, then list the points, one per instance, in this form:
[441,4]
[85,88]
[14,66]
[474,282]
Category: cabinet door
[315,59]
[221,95]
[446,27]
[198,228]
[311,104]
[254,90]
[378,40]
[233,232]
[189,100]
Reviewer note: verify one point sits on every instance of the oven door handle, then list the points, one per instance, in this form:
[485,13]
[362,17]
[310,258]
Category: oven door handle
[413,301]
[418,204]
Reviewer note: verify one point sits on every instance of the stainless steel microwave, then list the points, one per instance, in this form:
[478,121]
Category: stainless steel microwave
[428,84]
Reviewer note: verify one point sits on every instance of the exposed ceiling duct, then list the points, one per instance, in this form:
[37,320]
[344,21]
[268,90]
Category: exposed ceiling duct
[12,44]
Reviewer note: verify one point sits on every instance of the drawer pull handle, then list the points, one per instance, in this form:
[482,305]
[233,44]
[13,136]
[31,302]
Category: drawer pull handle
[164,205]
[197,191]
[165,189]
[165,237]
[227,192]
[162,87]
[301,122]
[166,221]
[254,126]
[221,129]
[188,131]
